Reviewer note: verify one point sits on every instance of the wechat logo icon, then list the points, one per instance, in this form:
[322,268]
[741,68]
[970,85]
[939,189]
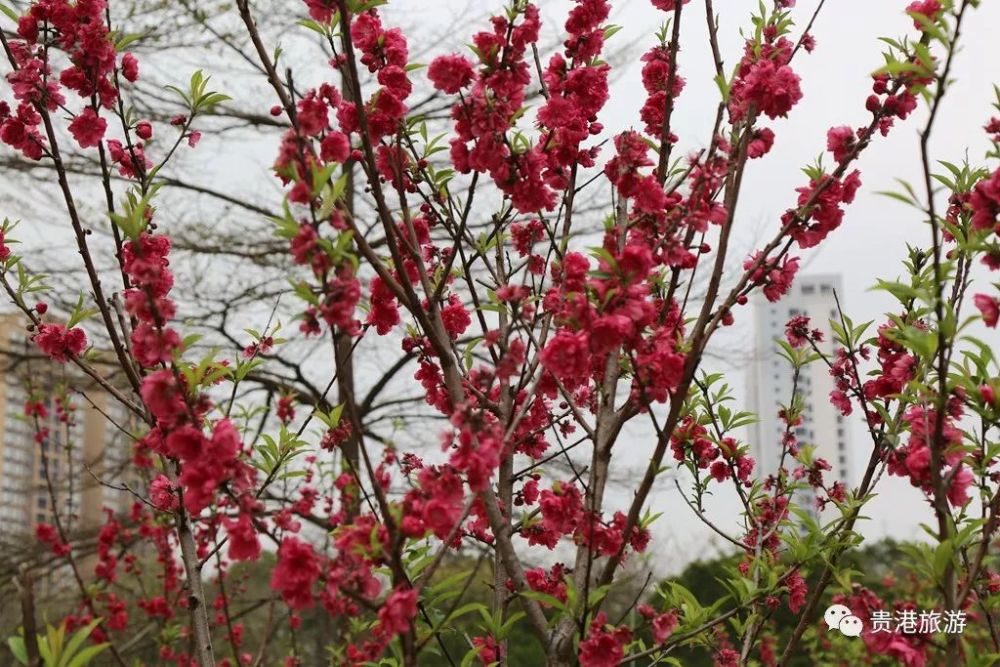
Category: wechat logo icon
[839,617]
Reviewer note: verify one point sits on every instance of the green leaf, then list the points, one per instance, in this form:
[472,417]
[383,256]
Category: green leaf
[11,14]
[943,557]
[550,600]
[315,27]
[470,657]
[127,40]
[56,637]
[16,644]
[84,657]
[723,85]
[897,196]
[211,100]
[76,641]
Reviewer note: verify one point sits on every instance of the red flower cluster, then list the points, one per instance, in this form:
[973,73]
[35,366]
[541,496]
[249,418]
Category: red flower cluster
[397,613]
[928,10]
[903,648]
[623,172]
[775,278]
[19,129]
[491,107]
[81,31]
[913,460]
[605,644]
[297,570]
[898,366]
[488,650]
[761,143]
[797,332]
[841,142]
[655,79]
[59,343]
[384,53]
[106,567]
[985,204]
[47,534]
[146,264]
[435,505]
[662,624]
[88,128]
[765,82]
[162,494]
[563,514]
[450,73]
[820,211]
[577,91]
[667,5]
[989,307]
[894,98]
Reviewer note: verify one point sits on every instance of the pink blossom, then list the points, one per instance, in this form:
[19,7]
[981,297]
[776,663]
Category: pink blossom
[335,147]
[161,494]
[243,542]
[88,128]
[130,67]
[489,650]
[841,401]
[663,626]
[162,396]
[840,142]
[958,493]
[296,572]
[989,307]
[760,144]
[928,9]
[59,343]
[667,5]
[566,356]
[797,591]
[766,87]
[398,612]
[603,647]
[985,202]
[450,73]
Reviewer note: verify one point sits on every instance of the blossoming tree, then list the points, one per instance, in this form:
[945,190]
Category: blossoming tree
[531,346]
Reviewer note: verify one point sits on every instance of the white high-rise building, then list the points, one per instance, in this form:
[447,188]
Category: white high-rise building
[770,381]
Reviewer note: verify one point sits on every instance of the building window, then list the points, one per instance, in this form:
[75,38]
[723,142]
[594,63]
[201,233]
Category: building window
[808,289]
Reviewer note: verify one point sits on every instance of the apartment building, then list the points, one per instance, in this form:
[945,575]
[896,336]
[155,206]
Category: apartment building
[89,444]
[770,380]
